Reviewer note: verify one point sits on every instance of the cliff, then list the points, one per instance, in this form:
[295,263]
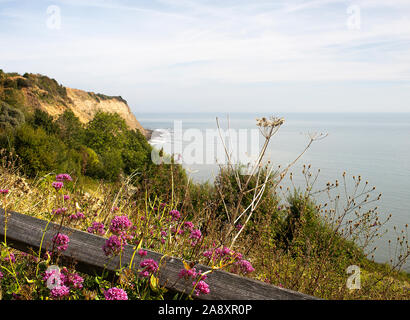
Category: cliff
[32,91]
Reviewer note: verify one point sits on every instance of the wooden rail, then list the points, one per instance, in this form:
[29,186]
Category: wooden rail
[25,233]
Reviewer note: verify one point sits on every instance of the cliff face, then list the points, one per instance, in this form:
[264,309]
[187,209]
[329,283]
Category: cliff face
[85,105]
[33,91]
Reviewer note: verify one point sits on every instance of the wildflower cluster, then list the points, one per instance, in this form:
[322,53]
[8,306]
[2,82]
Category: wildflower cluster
[201,287]
[57,185]
[195,236]
[114,245]
[61,241]
[120,224]
[77,216]
[115,294]
[59,211]
[227,256]
[175,214]
[10,258]
[244,266]
[97,228]
[149,266]
[63,177]
[59,292]
[191,273]
[62,282]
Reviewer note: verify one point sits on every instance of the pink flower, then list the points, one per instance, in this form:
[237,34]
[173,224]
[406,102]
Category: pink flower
[245,266]
[191,273]
[59,292]
[113,245]
[97,228]
[61,241]
[11,258]
[66,197]
[72,279]
[4,191]
[189,225]
[175,214]
[80,215]
[142,253]
[149,266]
[195,235]
[201,287]
[57,185]
[208,254]
[64,278]
[59,211]
[184,273]
[115,294]
[120,224]
[63,177]
[56,279]
[77,216]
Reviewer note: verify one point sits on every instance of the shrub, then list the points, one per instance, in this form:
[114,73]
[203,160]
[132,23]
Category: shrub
[10,117]
[42,119]
[39,152]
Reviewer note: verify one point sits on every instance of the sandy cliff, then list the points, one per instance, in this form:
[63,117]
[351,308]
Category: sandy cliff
[85,105]
[33,91]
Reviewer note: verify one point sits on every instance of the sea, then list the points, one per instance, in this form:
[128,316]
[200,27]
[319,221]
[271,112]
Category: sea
[374,146]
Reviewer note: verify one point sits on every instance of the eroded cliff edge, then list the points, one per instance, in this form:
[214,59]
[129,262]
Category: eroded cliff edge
[32,91]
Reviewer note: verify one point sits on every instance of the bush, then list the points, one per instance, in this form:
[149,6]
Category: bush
[43,120]
[24,83]
[13,97]
[10,117]
[40,153]
[70,130]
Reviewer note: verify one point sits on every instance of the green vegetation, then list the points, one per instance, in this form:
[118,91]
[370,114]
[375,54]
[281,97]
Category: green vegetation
[103,149]
[10,117]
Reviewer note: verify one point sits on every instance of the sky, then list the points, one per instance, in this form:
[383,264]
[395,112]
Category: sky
[218,55]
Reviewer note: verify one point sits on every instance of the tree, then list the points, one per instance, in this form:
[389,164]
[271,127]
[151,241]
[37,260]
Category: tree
[71,130]
[43,120]
[106,132]
[39,152]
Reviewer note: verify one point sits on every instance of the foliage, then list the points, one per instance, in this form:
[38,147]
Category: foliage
[39,152]
[42,119]
[10,117]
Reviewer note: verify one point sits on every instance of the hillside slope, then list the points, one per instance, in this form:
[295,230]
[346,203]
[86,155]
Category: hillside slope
[32,91]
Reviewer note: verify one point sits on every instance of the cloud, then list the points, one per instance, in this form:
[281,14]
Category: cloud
[186,44]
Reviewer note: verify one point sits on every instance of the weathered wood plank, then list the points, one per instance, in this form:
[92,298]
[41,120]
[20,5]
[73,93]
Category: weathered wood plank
[25,232]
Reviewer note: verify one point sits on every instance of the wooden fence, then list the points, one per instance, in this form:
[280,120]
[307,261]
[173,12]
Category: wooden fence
[25,233]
